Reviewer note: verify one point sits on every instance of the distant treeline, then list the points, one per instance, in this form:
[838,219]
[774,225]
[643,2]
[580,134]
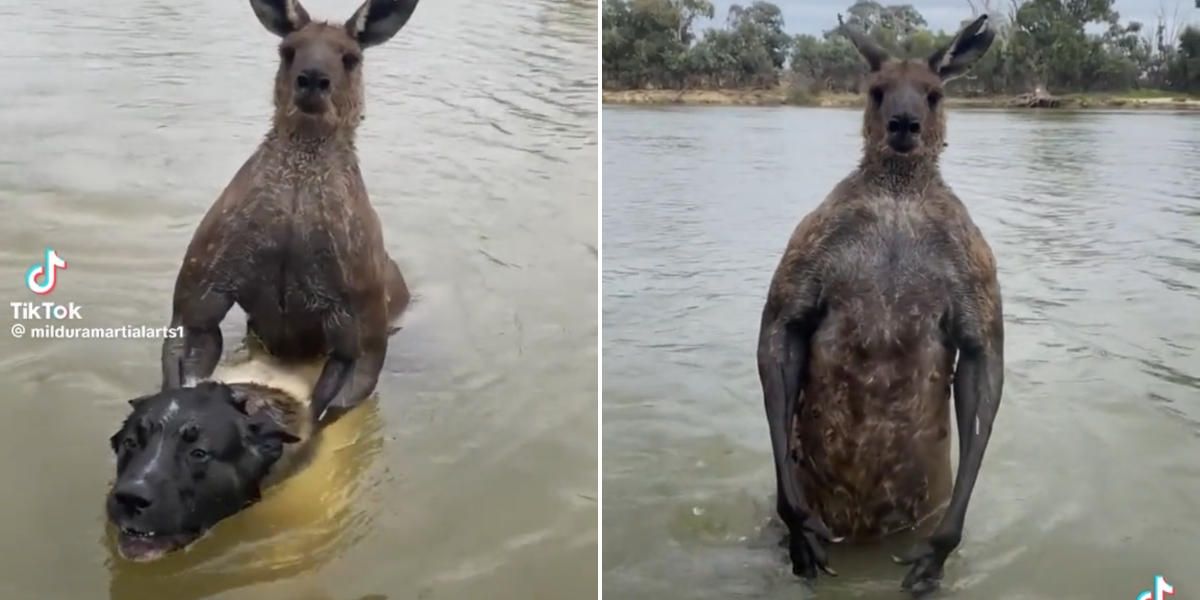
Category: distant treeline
[653,44]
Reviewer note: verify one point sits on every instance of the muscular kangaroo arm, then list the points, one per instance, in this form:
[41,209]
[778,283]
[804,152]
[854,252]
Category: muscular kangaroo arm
[198,309]
[354,364]
[203,297]
[783,350]
[978,385]
[978,332]
[359,384]
[194,355]
[781,355]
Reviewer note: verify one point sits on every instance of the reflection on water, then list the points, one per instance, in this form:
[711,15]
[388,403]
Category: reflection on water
[1091,480]
[474,475]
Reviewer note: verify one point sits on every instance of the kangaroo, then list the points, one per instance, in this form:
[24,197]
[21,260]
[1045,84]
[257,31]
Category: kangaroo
[878,290]
[293,239]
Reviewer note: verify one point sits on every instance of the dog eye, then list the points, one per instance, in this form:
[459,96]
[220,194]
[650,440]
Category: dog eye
[198,454]
[129,443]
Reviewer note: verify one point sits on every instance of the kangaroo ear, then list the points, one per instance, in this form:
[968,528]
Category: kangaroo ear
[377,21]
[280,17]
[968,46]
[865,44]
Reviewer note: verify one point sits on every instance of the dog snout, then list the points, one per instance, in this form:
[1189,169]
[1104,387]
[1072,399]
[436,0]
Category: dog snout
[311,81]
[133,497]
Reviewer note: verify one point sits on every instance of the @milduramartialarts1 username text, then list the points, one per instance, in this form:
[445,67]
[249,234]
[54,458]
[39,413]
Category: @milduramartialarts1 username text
[68,332]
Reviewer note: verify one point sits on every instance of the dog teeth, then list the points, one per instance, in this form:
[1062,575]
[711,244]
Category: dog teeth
[137,534]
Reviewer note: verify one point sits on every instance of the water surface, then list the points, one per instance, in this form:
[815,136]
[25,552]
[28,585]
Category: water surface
[475,473]
[1091,481]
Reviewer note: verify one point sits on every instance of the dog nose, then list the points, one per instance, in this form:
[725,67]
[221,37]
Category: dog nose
[133,496]
[312,80]
[903,123]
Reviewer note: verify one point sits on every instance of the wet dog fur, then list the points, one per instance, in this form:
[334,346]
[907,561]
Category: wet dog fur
[190,457]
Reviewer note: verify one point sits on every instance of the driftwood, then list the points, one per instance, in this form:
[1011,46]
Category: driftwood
[1039,98]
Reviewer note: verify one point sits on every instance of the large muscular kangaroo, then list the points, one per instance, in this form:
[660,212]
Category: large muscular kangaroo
[293,240]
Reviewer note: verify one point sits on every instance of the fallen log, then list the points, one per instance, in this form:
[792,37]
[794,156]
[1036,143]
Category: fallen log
[1035,100]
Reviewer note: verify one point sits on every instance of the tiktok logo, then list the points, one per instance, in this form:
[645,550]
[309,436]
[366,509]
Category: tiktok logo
[1161,590]
[46,273]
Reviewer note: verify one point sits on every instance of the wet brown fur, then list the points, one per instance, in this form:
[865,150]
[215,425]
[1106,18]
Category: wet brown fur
[293,239]
[873,429]
[888,279]
[293,414]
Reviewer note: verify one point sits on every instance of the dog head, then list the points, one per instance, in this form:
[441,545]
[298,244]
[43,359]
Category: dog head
[186,459]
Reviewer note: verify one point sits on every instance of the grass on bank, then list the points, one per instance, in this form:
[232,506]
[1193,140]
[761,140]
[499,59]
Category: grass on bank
[799,96]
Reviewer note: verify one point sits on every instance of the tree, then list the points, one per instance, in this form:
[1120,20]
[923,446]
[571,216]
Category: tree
[761,25]
[1041,44]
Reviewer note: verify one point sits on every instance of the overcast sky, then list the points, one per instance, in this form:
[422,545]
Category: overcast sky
[815,16]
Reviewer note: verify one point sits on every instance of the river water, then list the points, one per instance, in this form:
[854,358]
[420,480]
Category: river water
[474,475]
[1092,479]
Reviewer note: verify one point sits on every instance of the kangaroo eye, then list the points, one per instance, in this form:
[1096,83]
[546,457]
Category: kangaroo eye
[287,53]
[877,95]
[350,60]
[934,98]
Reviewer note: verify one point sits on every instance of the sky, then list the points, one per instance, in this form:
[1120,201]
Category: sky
[815,16]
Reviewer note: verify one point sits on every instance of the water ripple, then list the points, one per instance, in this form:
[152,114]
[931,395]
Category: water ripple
[1092,218]
[123,121]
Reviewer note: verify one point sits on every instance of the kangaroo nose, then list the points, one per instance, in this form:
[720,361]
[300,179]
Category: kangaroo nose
[133,496]
[903,123]
[312,80]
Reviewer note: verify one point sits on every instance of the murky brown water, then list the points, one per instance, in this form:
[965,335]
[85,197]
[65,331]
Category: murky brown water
[1092,480]
[474,476]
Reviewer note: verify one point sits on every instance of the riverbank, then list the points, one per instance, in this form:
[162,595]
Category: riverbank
[781,97]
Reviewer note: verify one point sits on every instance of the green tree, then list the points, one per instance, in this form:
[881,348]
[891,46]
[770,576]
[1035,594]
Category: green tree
[1046,44]
[1185,68]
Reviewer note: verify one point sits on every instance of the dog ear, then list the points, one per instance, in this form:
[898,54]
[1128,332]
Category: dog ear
[239,397]
[263,426]
[134,402]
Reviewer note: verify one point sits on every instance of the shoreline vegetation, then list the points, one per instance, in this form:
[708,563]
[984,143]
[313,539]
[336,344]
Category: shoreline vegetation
[1047,54]
[783,96]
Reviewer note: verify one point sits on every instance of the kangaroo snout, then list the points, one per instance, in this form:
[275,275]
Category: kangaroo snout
[903,132]
[311,81]
[903,123]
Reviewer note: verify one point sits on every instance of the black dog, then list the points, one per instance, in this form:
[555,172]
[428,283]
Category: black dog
[190,457]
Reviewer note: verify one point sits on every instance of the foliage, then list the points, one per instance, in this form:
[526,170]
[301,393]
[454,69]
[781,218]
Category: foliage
[1061,46]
